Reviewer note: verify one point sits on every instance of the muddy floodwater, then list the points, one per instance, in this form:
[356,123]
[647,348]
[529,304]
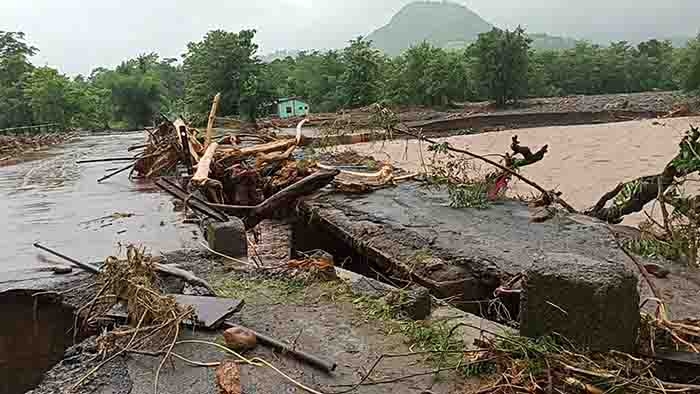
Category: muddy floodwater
[50,199]
[583,162]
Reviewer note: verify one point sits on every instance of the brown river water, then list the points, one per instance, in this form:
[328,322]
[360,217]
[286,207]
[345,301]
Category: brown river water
[50,199]
[583,162]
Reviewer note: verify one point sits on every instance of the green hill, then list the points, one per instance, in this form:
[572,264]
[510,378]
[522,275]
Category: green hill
[443,24]
[436,23]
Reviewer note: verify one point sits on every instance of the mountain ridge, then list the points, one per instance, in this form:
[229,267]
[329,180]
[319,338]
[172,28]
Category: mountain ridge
[444,24]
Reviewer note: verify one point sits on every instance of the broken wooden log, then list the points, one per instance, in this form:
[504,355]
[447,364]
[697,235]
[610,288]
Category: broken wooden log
[107,160]
[266,158]
[192,201]
[201,177]
[324,365]
[212,117]
[86,267]
[243,153]
[253,215]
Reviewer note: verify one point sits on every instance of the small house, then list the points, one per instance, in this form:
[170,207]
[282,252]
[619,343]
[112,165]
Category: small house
[290,107]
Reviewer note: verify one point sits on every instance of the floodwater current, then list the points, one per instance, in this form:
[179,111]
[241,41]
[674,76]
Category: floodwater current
[49,198]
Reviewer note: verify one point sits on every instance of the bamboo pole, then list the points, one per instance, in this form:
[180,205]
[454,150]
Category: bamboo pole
[212,118]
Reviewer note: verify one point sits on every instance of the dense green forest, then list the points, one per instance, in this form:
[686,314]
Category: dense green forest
[500,66]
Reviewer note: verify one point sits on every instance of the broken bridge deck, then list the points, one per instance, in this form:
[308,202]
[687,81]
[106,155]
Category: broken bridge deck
[410,231]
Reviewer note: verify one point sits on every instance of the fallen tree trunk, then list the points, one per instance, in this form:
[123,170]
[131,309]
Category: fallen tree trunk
[243,153]
[253,215]
[212,117]
[646,191]
[201,177]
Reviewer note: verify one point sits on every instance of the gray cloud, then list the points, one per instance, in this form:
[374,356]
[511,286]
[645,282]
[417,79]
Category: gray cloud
[78,35]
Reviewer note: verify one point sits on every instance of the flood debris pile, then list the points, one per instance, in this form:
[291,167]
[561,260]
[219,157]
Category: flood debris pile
[11,146]
[552,364]
[248,173]
[130,311]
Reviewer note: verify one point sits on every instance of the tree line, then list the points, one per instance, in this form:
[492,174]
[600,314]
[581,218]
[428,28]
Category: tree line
[500,66]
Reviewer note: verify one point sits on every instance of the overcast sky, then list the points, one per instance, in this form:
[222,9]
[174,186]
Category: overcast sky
[79,35]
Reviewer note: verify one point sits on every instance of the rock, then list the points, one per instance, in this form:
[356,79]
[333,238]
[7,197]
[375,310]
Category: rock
[171,284]
[228,238]
[197,291]
[657,270]
[239,338]
[541,214]
[416,302]
[592,303]
[61,270]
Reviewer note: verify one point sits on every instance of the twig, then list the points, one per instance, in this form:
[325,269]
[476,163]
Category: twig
[176,355]
[103,363]
[383,356]
[116,172]
[444,347]
[167,354]
[558,199]
[394,380]
[640,266]
[258,362]
[235,260]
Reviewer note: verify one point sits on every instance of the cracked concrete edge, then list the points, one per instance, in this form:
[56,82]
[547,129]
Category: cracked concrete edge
[472,327]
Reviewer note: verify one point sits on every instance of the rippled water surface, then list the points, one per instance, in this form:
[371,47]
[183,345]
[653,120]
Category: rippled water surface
[51,199]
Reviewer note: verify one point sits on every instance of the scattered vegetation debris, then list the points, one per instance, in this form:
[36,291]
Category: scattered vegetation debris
[154,318]
[316,267]
[12,146]
[676,235]
[228,377]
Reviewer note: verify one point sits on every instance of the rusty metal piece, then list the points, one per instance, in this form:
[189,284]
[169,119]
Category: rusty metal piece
[86,267]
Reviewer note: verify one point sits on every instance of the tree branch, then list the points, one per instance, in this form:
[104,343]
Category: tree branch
[552,197]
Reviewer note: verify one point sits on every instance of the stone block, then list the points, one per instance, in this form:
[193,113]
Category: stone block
[594,304]
[228,238]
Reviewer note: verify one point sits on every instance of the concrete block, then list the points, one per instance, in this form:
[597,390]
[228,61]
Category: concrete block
[594,304]
[414,302]
[228,238]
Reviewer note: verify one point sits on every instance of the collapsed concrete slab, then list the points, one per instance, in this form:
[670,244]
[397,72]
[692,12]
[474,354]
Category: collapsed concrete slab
[410,232]
[590,302]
